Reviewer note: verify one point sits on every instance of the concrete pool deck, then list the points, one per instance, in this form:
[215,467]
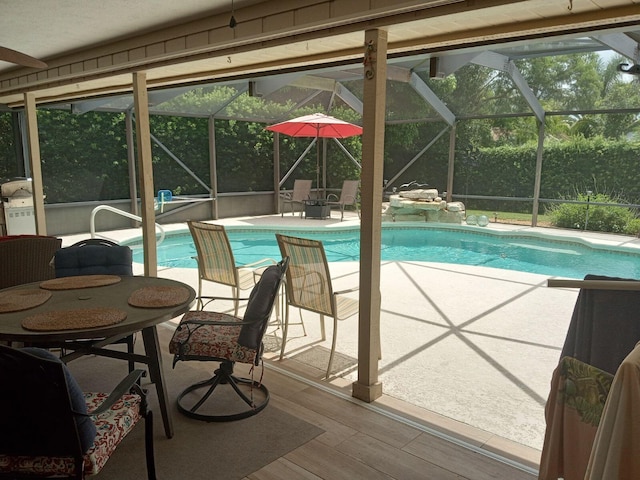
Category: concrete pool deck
[468,351]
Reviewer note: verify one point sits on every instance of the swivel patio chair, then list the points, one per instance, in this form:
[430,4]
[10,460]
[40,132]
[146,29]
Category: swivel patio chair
[50,428]
[218,337]
[308,286]
[348,197]
[217,264]
[300,194]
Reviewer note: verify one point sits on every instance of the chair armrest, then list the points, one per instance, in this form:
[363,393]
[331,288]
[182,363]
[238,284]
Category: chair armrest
[215,322]
[261,262]
[341,292]
[127,383]
[332,195]
[286,195]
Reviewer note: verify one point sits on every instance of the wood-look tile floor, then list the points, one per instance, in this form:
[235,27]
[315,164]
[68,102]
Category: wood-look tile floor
[360,442]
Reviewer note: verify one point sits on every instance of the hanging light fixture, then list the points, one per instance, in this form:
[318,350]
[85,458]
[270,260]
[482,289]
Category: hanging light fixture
[232,20]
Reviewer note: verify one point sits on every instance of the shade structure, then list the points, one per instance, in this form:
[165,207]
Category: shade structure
[316,125]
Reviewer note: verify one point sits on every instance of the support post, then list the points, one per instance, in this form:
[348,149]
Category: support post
[34,162]
[213,167]
[368,387]
[145,165]
[131,160]
[536,188]
[452,156]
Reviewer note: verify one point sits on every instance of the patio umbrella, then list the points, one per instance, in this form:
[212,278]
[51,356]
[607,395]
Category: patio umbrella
[317,125]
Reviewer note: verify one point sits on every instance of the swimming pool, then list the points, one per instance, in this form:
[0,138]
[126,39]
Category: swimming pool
[511,251]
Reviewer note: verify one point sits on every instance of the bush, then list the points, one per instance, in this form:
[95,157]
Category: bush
[597,218]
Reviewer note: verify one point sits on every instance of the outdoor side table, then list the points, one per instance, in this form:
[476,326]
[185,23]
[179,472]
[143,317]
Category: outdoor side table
[316,209]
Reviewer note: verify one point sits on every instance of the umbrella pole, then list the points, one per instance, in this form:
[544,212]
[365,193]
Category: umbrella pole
[317,168]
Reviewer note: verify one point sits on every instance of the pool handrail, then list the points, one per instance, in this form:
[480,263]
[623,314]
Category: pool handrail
[92,221]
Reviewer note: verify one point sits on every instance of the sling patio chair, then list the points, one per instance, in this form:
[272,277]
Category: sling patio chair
[51,429]
[219,337]
[348,197]
[217,264]
[300,194]
[308,286]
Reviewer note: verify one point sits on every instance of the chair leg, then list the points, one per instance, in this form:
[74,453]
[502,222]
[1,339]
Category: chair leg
[223,376]
[148,446]
[285,329]
[130,340]
[333,345]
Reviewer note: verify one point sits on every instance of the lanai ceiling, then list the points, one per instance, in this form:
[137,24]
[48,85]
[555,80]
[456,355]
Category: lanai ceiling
[92,46]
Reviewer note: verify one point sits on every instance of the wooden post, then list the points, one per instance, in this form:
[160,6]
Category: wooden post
[367,387]
[35,166]
[143,139]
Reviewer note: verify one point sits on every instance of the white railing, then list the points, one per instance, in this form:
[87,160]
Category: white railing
[92,221]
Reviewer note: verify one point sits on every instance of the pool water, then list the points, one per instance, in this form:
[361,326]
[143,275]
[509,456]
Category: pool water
[507,251]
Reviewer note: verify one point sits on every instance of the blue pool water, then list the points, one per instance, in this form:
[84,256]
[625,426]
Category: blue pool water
[508,251]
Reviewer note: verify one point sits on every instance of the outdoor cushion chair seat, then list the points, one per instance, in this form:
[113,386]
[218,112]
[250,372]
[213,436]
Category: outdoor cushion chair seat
[221,342]
[93,260]
[112,426]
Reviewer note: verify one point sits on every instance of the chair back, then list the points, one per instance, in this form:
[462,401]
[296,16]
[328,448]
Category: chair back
[260,306]
[94,257]
[35,407]
[349,192]
[308,281]
[26,259]
[301,190]
[214,255]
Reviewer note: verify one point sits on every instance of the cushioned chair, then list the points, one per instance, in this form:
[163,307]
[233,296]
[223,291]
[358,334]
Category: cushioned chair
[217,264]
[51,429]
[26,259]
[301,193]
[96,256]
[308,286]
[348,197]
[93,257]
[218,337]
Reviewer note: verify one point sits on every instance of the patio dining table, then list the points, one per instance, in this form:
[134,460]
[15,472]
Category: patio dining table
[82,315]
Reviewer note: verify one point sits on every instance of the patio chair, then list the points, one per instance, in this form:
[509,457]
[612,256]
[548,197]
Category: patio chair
[26,259]
[308,287]
[348,197]
[218,337]
[301,192]
[217,264]
[50,428]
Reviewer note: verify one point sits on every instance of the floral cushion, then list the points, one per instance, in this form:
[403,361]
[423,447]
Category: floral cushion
[112,426]
[212,341]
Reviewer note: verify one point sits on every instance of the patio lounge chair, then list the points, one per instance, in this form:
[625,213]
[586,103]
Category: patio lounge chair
[217,264]
[308,286]
[348,197]
[301,193]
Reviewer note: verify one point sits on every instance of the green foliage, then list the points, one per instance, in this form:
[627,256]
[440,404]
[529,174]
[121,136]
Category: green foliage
[8,160]
[598,218]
